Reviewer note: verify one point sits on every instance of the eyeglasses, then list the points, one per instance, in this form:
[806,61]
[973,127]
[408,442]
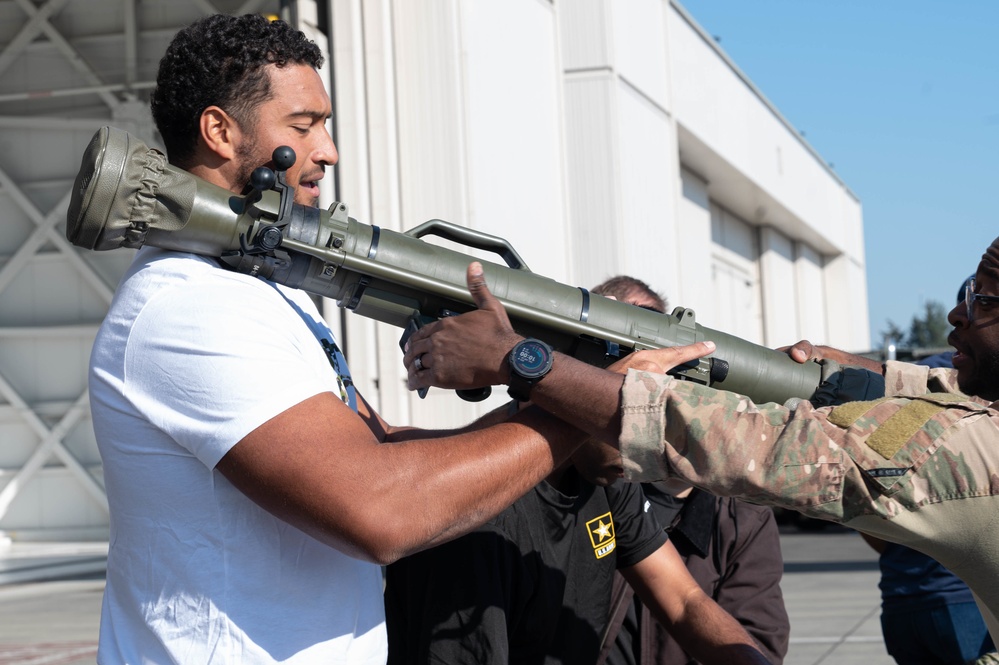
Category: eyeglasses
[970,297]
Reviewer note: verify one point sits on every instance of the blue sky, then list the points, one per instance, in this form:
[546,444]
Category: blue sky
[903,99]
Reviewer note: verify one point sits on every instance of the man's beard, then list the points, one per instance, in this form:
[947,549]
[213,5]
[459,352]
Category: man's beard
[985,380]
[248,163]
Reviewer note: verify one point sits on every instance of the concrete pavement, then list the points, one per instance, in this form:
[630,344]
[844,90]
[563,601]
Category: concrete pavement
[51,623]
[830,589]
[831,593]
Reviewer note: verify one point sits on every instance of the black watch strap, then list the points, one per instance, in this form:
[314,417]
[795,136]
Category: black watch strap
[520,388]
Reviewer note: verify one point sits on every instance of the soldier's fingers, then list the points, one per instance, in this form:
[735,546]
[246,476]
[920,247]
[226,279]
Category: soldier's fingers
[802,351]
[667,359]
[693,351]
[638,360]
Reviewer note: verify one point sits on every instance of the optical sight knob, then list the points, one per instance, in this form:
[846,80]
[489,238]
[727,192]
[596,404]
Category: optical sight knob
[262,179]
[284,158]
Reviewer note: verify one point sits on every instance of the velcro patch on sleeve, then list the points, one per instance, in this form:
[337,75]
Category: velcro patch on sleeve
[893,433]
[889,436]
[845,415]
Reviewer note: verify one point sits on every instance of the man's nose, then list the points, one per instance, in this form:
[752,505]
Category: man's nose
[958,315]
[326,152]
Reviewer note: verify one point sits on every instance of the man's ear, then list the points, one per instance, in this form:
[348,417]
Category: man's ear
[219,132]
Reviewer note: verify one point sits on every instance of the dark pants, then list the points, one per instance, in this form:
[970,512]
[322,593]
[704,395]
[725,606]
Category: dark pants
[946,635]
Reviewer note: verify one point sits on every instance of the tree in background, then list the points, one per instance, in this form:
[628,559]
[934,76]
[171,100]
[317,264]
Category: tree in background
[927,330]
[893,335]
[930,330]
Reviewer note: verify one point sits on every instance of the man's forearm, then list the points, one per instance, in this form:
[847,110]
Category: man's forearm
[726,641]
[498,415]
[586,396]
[698,624]
[590,397]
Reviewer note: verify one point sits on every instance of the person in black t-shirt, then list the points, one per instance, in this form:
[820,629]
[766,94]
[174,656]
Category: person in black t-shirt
[732,549]
[533,585]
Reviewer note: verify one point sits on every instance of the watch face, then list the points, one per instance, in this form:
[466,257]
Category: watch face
[532,359]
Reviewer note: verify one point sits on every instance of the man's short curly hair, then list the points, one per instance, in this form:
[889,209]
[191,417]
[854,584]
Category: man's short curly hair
[219,61]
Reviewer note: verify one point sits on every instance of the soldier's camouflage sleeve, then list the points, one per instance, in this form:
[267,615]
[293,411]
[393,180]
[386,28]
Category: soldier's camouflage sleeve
[921,470]
[834,463]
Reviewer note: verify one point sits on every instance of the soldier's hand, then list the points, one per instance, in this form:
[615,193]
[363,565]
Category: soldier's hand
[465,351]
[662,360]
[804,351]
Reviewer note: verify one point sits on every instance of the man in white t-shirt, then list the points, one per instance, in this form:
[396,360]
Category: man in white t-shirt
[251,499]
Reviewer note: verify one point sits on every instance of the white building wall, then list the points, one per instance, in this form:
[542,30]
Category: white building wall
[622,166]
[779,289]
[846,302]
[648,182]
[598,137]
[592,156]
[810,282]
[693,241]
[734,304]
[640,47]
[515,151]
[446,129]
[760,169]
[622,181]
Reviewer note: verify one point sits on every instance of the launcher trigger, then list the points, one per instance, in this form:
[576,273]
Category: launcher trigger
[415,322]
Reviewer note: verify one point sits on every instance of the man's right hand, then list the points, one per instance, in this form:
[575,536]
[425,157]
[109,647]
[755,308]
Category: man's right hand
[465,351]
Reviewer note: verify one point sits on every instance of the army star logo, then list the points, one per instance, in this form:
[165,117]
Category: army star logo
[601,530]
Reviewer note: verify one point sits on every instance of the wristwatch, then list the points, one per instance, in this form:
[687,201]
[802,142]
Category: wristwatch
[529,362]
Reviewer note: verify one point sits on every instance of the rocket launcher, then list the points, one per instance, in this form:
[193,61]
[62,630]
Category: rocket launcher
[127,195]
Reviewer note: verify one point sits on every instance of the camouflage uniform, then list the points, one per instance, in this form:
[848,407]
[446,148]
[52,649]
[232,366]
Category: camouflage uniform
[918,468]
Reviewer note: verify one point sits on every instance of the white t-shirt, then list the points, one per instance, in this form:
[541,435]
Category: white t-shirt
[190,359]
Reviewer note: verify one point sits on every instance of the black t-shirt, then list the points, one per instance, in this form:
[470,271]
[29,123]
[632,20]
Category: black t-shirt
[531,586]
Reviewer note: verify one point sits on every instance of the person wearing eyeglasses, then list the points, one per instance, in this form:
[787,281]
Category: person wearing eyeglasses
[928,615]
[919,466]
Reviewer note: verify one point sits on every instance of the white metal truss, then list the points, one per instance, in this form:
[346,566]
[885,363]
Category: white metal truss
[36,38]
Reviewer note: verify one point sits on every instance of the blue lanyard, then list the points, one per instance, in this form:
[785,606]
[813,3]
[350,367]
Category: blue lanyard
[337,361]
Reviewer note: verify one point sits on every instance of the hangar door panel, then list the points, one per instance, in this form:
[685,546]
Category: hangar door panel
[735,276]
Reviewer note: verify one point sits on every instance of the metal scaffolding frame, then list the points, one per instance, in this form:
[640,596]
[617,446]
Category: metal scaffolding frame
[85,99]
